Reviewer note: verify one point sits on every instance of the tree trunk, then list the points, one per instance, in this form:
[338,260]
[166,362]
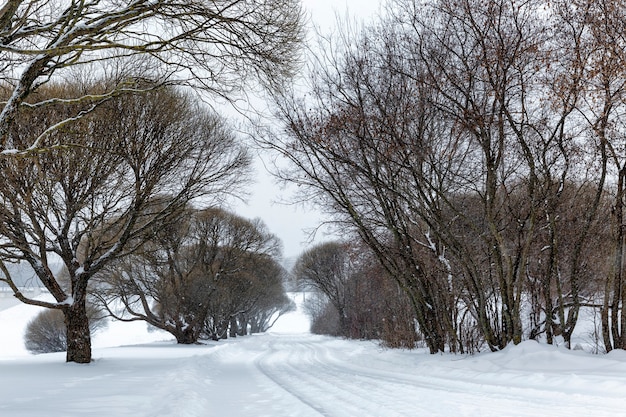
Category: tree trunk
[243,325]
[186,334]
[234,327]
[343,322]
[77,332]
[618,264]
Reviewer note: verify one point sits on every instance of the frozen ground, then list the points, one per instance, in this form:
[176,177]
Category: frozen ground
[289,372]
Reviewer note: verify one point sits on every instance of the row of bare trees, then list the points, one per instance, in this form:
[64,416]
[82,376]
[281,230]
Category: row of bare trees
[350,295]
[126,170]
[90,167]
[114,207]
[209,273]
[477,149]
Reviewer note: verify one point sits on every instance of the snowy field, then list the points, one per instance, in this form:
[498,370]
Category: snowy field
[289,372]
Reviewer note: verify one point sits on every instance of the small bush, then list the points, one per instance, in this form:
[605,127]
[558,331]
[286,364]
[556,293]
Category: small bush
[326,322]
[399,332]
[46,332]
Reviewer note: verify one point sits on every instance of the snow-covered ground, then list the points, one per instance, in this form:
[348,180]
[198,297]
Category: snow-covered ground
[289,372]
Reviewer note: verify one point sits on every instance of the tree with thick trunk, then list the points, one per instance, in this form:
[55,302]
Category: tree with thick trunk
[130,168]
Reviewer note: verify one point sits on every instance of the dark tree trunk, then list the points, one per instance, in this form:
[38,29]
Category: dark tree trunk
[243,325]
[77,332]
[234,327]
[187,335]
[343,321]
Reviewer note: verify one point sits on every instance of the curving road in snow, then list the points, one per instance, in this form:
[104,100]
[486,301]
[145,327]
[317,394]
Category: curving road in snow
[134,374]
[304,375]
[328,377]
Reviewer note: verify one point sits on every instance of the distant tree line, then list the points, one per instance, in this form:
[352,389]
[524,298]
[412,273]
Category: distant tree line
[349,294]
[476,148]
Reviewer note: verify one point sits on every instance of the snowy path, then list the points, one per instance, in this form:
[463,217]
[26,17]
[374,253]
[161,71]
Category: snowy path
[285,374]
[335,381]
[303,375]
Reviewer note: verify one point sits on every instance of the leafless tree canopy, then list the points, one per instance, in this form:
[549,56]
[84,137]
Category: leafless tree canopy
[349,294]
[474,147]
[210,270]
[125,172]
[327,268]
[213,45]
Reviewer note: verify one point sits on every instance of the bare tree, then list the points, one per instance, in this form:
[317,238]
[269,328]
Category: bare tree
[258,296]
[46,332]
[379,308]
[132,166]
[248,273]
[351,295]
[450,137]
[364,145]
[198,270]
[604,43]
[213,45]
[327,268]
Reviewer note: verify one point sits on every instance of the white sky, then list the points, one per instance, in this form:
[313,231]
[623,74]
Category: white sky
[323,12]
[290,223]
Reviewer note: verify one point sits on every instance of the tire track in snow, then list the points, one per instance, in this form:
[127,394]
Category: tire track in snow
[181,391]
[282,373]
[317,376]
[542,395]
[298,368]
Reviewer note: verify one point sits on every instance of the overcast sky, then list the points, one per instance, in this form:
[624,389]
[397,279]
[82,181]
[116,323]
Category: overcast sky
[290,223]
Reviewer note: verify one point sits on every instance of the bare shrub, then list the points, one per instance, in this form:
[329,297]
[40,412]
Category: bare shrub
[326,321]
[46,332]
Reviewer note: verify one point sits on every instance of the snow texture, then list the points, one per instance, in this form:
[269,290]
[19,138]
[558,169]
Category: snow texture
[289,372]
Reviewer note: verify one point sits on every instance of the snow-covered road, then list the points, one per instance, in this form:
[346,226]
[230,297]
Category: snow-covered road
[305,375]
[338,378]
[293,373]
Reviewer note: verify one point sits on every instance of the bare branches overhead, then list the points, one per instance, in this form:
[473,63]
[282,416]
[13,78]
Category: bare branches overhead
[218,46]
